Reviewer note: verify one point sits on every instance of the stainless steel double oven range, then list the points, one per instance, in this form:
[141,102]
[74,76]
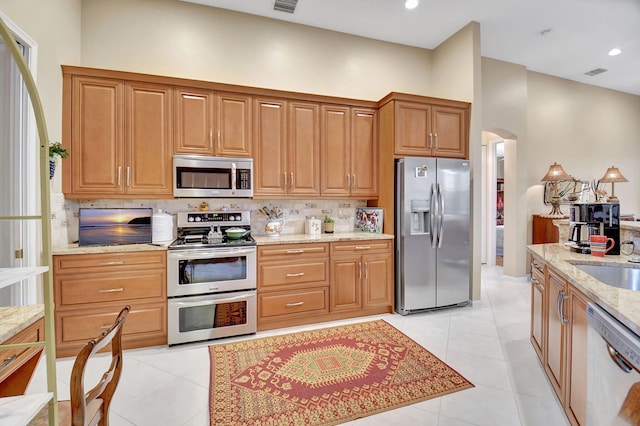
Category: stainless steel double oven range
[211,279]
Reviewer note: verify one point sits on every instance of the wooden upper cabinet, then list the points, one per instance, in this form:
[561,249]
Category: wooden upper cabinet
[364,152]
[412,129]
[349,151]
[233,125]
[303,148]
[434,128]
[287,147]
[449,132]
[121,140]
[97,136]
[336,150]
[148,148]
[193,121]
[270,146]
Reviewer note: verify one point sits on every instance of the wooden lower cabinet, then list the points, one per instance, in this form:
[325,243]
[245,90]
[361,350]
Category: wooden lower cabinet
[91,289]
[310,283]
[564,339]
[17,365]
[538,308]
[293,284]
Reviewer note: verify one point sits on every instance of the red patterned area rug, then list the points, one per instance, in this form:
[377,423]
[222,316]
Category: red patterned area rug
[324,377]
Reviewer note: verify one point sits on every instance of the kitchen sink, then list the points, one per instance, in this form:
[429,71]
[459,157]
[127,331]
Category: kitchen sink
[620,276]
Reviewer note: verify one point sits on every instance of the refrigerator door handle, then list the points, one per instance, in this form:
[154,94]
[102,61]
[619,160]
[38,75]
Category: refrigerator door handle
[441,212]
[432,216]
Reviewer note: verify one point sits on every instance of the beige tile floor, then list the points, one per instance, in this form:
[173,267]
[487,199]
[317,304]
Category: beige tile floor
[488,343]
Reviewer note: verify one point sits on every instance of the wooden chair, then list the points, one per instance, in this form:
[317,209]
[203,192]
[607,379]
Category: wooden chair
[92,407]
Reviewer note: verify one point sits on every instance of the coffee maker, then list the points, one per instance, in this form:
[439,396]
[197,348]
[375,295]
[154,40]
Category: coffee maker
[586,219]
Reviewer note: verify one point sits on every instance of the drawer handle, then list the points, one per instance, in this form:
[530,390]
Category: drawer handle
[295,251]
[112,290]
[299,274]
[115,262]
[289,305]
[105,327]
[12,358]
[363,247]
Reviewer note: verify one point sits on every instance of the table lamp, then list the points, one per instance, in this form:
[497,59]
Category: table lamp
[613,175]
[555,174]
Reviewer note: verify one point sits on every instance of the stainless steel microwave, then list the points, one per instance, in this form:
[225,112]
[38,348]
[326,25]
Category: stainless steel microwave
[204,176]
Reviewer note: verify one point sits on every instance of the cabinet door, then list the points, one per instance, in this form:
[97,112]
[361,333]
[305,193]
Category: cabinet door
[576,401]
[233,123]
[270,139]
[148,147]
[364,153]
[193,123]
[555,334]
[345,289]
[336,150]
[449,135]
[378,280]
[537,312]
[304,148]
[413,123]
[97,136]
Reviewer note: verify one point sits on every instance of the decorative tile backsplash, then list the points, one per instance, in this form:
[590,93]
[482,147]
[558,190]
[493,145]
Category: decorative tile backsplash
[65,212]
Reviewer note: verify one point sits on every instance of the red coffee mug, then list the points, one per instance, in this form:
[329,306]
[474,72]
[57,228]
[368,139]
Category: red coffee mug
[600,244]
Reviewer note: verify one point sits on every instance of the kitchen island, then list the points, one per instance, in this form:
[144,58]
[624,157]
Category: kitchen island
[623,304]
[561,295]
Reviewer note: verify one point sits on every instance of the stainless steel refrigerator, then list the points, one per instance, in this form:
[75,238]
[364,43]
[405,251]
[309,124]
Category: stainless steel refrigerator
[433,233]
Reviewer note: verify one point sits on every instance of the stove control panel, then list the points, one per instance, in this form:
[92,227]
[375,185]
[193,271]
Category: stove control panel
[204,218]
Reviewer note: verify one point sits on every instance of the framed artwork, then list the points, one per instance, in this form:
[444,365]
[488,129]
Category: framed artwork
[368,219]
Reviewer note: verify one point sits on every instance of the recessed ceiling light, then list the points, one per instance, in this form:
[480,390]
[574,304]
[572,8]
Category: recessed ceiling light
[411,4]
[615,52]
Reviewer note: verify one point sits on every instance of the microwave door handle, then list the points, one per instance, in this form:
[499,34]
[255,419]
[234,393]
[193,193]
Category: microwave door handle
[233,178]
[215,301]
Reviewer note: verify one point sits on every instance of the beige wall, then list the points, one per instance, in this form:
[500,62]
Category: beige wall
[174,38]
[586,129]
[582,127]
[55,27]
[455,74]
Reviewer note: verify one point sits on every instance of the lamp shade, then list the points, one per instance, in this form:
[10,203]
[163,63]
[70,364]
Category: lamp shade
[556,173]
[613,175]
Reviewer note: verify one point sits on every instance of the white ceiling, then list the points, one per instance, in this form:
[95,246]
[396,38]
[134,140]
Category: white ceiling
[581,31]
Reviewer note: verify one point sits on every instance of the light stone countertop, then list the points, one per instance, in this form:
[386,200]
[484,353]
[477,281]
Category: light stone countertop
[321,238]
[260,240]
[621,303]
[124,248]
[14,319]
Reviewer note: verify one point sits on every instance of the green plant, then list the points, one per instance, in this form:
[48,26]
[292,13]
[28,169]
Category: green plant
[327,219]
[56,149]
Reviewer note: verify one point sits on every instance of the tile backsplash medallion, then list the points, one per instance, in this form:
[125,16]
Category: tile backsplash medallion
[65,212]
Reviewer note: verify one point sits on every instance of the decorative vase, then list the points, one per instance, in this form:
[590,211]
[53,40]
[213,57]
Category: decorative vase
[52,167]
[273,227]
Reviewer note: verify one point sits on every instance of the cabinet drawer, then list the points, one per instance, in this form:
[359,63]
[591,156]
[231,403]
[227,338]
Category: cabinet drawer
[537,265]
[360,247]
[86,324]
[272,274]
[292,251]
[73,289]
[284,303]
[109,262]
[12,359]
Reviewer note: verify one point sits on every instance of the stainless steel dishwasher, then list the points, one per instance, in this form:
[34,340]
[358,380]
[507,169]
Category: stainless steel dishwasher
[613,372]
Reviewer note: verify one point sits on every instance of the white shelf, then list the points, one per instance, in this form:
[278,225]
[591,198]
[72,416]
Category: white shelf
[20,410]
[9,276]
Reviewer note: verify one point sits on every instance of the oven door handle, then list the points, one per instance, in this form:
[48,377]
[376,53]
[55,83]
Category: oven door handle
[215,301]
[217,253]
